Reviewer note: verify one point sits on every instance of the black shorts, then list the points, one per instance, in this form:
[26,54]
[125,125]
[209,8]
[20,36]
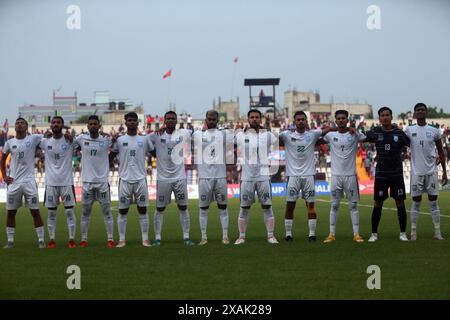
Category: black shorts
[396,186]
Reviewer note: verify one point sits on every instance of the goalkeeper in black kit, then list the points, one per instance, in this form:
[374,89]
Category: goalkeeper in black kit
[390,141]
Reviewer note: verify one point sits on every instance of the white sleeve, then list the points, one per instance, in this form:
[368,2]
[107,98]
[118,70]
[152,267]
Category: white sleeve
[6,148]
[151,147]
[361,136]
[327,137]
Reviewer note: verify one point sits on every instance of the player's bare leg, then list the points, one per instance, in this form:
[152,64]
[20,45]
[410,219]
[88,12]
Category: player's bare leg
[289,219]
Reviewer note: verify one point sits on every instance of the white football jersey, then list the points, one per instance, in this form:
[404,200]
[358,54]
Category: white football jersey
[299,148]
[254,150]
[58,162]
[95,157]
[423,148]
[343,147]
[170,152]
[210,153]
[23,153]
[132,152]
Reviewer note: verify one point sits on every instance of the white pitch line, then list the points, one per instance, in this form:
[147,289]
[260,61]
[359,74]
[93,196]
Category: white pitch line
[387,208]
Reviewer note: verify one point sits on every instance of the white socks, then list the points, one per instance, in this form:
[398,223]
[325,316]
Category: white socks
[157,224]
[435,216]
[203,217]
[85,221]
[51,223]
[224,222]
[242,222]
[334,213]
[40,233]
[269,220]
[312,227]
[415,206]
[71,223]
[122,225]
[10,233]
[288,226]
[185,223]
[354,214]
[144,223]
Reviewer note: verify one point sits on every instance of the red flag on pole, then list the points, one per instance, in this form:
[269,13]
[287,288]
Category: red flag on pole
[167,74]
[235,60]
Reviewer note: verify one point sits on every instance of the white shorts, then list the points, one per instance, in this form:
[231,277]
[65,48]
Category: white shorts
[96,192]
[426,183]
[304,186]
[54,194]
[344,184]
[16,192]
[127,190]
[212,190]
[164,192]
[263,190]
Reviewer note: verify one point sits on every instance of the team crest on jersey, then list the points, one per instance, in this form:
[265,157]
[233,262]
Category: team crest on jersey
[400,192]
[49,147]
[429,135]
[28,144]
[414,134]
[50,198]
[14,147]
[308,138]
[140,144]
[349,139]
[125,144]
[395,138]
[101,144]
[64,147]
[179,139]
[335,139]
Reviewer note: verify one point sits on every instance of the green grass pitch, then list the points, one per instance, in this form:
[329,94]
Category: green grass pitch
[255,270]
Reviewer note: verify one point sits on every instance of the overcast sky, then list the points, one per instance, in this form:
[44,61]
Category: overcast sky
[126,47]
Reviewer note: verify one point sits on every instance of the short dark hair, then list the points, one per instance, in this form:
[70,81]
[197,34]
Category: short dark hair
[131,115]
[213,112]
[94,117]
[300,113]
[170,112]
[384,109]
[20,118]
[344,112]
[59,117]
[254,110]
[420,104]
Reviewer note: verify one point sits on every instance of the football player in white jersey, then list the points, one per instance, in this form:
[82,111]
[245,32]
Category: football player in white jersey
[210,157]
[58,151]
[20,179]
[132,150]
[301,171]
[94,175]
[255,145]
[343,147]
[425,140]
[170,148]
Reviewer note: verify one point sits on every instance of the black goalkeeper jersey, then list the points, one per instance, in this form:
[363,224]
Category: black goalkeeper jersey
[389,146]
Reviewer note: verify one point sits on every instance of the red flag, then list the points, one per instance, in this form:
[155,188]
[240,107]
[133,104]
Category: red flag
[235,60]
[167,74]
